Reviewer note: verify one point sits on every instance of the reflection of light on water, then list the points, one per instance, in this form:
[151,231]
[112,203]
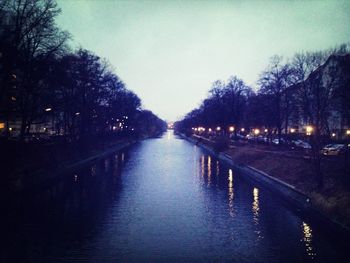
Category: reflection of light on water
[106,164]
[255,207]
[256,210]
[307,231]
[217,168]
[93,170]
[195,161]
[169,135]
[209,170]
[230,179]
[230,192]
[202,165]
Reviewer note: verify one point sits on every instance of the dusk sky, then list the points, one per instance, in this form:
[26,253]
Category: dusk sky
[170,52]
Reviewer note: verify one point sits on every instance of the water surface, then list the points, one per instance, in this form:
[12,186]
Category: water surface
[161,200]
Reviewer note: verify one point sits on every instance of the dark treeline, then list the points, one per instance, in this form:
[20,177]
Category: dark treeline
[307,96]
[46,87]
[306,90]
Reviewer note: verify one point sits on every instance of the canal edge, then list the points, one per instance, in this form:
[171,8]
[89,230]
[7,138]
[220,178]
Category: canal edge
[39,178]
[288,193]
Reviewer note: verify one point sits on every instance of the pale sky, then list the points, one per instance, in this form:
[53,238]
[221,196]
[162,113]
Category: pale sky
[170,52]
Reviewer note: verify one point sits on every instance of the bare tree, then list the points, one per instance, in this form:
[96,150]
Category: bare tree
[274,81]
[32,39]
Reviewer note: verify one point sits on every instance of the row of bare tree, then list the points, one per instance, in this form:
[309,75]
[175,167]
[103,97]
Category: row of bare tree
[308,89]
[41,79]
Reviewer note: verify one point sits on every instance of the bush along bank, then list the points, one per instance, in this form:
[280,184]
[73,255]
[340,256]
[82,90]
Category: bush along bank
[251,164]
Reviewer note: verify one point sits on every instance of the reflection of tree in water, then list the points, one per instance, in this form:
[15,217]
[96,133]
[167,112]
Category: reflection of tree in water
[65,211]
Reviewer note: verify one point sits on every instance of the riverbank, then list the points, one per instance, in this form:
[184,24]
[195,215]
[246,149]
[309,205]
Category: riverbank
[26,166]
[293,179]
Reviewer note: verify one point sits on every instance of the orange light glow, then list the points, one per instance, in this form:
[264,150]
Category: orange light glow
[309,130]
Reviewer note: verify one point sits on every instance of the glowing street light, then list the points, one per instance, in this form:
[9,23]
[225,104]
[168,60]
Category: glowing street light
[309,130]
[292,130]
[347,132]
[242,129]
[231,129]
[256,131]
[210,130]
[218,128]
[48,109]
[266,130]
[333,134]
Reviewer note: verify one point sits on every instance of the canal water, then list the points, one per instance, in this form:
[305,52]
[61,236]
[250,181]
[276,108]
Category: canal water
[160,200]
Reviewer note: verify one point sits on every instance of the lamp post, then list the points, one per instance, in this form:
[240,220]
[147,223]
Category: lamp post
[256,133]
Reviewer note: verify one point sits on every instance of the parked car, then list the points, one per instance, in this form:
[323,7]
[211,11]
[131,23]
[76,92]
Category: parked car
[282,141]
[333,149]
[276,141]
[262,139]
[302,144]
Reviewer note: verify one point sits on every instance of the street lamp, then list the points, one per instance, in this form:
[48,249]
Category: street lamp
[292,130]
[347,132]
[232,129]
[218,128]
[309,130]
[256,131]
[242,129]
